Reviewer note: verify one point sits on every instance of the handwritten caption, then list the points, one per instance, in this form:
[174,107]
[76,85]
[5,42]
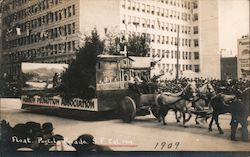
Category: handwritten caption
[163,145]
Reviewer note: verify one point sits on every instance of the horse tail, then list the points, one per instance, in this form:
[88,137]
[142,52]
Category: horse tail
[158,103]
[157,100]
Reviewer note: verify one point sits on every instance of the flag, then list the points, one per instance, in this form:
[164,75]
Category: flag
[18,31]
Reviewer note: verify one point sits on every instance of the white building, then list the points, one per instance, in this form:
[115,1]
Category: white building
[199,30]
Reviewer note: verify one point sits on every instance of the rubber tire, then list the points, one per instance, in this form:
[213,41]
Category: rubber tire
[128,109]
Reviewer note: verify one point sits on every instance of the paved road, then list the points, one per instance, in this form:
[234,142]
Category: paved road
[145,133]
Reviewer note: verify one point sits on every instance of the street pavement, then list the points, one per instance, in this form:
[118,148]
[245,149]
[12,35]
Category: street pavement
[143,134]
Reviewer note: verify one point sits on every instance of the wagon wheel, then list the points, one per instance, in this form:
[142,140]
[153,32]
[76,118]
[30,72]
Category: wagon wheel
[128,109]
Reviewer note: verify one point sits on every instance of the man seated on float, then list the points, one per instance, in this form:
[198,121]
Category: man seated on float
[138,80]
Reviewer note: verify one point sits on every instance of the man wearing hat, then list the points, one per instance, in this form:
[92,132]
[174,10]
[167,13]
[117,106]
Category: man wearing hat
[47,134]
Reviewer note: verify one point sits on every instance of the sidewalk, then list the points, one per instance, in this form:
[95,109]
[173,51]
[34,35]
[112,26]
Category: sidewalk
[10,103]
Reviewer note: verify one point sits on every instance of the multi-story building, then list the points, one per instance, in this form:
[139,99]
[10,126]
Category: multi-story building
[51,31]
[229,68]
[39,31]
[244,57]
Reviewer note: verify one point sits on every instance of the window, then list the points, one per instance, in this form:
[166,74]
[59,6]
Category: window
[73,45]
[148,23]
[133,5]
[123,19]
[166,12]
[69,46]
[158,11]
[158,53]
[138,6]
[143,7]
[153,52]
[69,28]
[167,39]
[129,20]
[163,26]
[153,24]
[167,54]
[123,3]
[196,68]
[196,55]
[74,9]
[195,4]
[73,28]
[152,10]
[162,12]
[64,12]
[69,11]
[196,30]
[163,54]
[158,39]
[190,55]
[195,18]
[153,38]
[129,4]
[196,42]
[148,9]
[167,25]
[143,22]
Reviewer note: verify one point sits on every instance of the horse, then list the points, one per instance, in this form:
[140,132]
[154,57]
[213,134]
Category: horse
[202,100]
[240,113]
[177,102]
[221,103]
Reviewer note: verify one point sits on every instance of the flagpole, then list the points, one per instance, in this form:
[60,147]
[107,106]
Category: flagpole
[177,55]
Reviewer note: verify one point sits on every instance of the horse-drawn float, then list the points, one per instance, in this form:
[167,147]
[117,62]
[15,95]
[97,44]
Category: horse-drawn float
[121,86]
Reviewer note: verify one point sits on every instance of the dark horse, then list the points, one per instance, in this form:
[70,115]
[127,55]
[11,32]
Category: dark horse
[179,101]
[240,112]
[221,105]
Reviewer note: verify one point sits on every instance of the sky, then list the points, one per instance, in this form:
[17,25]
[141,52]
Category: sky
[234,22]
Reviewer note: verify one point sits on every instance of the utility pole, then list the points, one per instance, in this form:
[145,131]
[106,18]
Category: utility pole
[177,55]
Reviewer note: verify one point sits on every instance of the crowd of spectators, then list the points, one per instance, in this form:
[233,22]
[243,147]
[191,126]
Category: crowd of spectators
[225,86]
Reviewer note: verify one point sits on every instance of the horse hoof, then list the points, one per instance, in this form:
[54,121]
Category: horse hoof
[210,130]
[233,139]
[221,132]
[185,126]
